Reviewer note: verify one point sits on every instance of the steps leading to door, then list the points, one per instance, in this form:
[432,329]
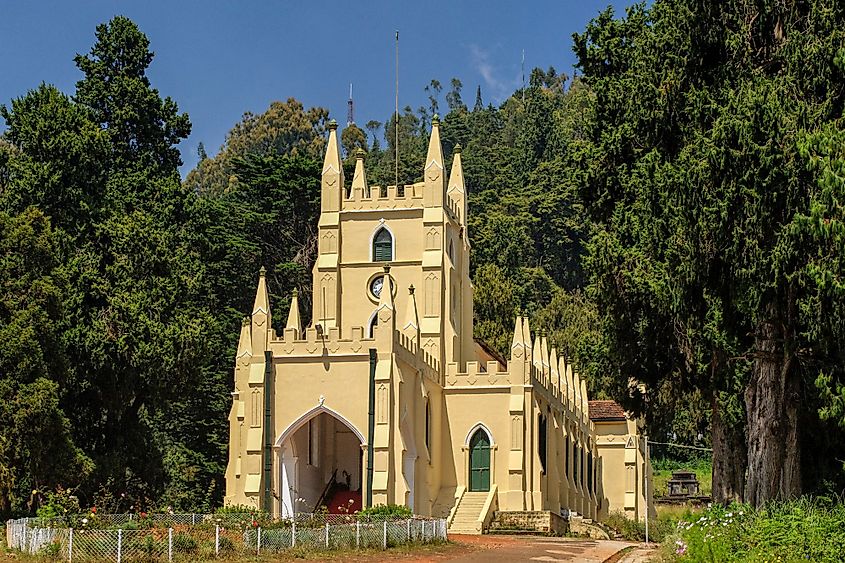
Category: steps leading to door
[468,514]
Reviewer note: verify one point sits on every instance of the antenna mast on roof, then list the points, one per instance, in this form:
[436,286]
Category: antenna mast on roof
[396,117]
[350,115]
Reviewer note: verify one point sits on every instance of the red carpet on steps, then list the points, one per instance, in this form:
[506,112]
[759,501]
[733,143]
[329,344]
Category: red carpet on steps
[345,502]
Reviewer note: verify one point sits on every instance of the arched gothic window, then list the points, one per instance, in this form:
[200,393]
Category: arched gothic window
[383,246]
[541,440]
[371,329]
[428,426]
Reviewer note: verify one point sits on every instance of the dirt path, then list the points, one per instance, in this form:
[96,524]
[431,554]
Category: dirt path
[483,549]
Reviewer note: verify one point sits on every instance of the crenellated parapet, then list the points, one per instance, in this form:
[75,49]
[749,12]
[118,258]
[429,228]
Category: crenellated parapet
[477,375]
[455,210]
[406,347]
[378,198]
[553,377]
[319,344]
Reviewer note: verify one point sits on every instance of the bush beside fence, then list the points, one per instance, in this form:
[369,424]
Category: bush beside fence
[209,538]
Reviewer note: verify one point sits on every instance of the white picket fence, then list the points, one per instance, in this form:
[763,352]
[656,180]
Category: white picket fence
[188,542]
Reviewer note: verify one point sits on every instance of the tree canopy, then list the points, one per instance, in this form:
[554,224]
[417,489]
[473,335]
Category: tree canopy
[670,217]
[710,188]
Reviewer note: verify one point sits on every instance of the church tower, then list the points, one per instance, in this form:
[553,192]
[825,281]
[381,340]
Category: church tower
[419,230]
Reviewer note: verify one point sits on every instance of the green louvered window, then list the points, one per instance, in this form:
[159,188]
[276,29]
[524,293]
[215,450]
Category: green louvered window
[383,246]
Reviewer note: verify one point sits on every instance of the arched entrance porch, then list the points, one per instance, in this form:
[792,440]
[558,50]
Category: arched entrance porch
[319,463]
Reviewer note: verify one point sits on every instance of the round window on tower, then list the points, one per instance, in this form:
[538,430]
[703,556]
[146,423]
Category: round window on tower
[376,284]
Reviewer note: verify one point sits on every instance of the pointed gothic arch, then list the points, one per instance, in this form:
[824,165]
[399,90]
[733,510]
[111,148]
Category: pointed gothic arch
[305,417]
[479,426]
[480,448]
[300,463]
[372,322]
[382,244]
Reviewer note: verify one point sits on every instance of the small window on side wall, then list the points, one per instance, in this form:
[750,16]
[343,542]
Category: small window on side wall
[428,426]
[383,246]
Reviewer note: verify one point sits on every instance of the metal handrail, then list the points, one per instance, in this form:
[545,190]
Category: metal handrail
[331,482]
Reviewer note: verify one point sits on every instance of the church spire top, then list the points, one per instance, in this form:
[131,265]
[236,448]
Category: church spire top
[518,341]
[385,299]
[293,316]
[331,192]
[359,179]
[262,301]
[261,319]
[245,340]
[456,187]
[435,148]
[412,322]
[435,183]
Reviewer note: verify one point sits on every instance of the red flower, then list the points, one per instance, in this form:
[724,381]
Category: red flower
[94,510]
[143,515]
[254,524]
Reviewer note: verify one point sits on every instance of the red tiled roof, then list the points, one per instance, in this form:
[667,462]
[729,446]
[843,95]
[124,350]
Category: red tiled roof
[606,411]
[492,352]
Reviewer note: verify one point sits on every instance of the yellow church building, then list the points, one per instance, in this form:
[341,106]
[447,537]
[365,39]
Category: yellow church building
[387,398]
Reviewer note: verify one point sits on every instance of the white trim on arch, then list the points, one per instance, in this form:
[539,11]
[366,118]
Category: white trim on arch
[302,420]
[482,426]
[383,225]
[372,322]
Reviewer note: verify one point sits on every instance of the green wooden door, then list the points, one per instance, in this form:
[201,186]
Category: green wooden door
[479,462]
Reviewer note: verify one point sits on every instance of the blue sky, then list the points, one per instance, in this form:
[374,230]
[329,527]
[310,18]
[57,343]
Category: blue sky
[220,59]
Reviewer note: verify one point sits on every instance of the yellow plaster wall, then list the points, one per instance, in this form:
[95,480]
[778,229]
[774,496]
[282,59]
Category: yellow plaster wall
[331,370]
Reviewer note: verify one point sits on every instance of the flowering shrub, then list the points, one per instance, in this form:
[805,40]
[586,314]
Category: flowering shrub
[56,504]
[384,511]
[805,530]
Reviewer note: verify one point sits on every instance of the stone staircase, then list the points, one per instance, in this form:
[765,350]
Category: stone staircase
[581,526]
[468,514]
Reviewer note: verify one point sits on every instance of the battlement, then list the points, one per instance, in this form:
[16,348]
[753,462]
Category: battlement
[455,208]
[477,374]
[410,347]
[291,343]
[547,381]
[554,377]
[378,197]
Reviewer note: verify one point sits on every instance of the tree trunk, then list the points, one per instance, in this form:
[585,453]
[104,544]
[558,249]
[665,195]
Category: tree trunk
[729,458]
[772,402]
